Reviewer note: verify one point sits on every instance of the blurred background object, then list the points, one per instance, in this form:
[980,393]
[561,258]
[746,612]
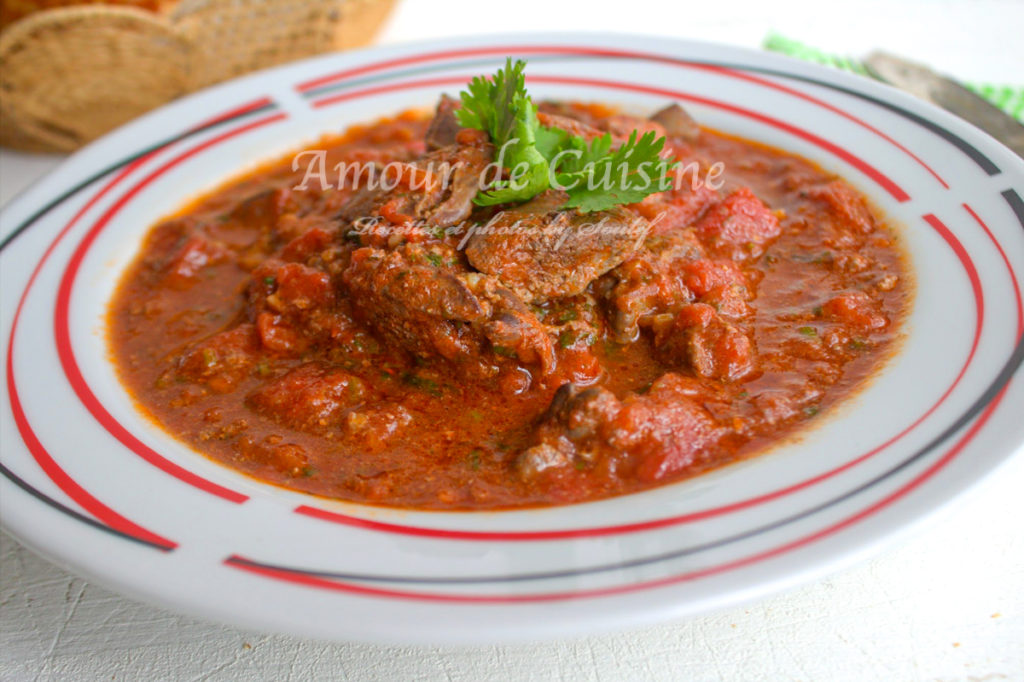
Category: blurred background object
[70,72]
[12,10]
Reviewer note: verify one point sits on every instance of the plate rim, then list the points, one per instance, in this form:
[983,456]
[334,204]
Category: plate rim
[26,196]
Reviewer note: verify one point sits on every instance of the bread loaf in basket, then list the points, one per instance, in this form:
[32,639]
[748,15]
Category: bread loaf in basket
[68,74]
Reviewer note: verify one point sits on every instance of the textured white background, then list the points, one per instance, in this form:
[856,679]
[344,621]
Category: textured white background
[948,605]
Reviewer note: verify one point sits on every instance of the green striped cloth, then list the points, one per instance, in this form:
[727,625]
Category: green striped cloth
[1009,98]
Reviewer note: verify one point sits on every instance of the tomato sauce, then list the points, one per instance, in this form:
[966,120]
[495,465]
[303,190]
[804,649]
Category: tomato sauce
[258,328]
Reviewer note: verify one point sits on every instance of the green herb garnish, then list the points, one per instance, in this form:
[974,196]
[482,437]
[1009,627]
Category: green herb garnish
[567,315]
[424,384]
[538,158]
[501,108]
[598,178]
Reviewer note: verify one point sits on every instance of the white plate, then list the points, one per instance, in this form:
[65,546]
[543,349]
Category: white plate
[89,482]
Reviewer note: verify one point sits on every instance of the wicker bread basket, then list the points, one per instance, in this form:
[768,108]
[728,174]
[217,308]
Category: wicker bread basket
[70,74]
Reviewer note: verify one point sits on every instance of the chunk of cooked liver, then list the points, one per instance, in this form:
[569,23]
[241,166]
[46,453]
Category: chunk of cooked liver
[541,252]
[656,434]
[444,126]
[700,339]
[422,300]
[448,200]
[677,122]
[650,283]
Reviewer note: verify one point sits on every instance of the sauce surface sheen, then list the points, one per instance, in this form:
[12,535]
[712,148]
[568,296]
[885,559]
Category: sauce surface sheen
[261,328]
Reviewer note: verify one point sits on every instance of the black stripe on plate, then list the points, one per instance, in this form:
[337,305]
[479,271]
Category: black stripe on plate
[1015,202]
[1004,376]
[994,388]
[46,208]
[67,511]
[75,189]
[986,164]
[963,145]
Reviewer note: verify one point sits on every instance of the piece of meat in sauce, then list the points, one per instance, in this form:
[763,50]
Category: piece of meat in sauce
[436,189]
[567,120]
[670,272]
[701,339]
[444,126]
[650,436]
[674,269]
[689,302]
[541,252]
[672,121]
[650,283]
[677,123]
[423,300]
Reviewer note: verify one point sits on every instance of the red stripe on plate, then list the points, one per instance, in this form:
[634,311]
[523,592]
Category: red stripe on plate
[972,273]
[1009,269]
[307,580]
[235,113]
[63,339]
[617,53]
[39,453]
[883,180]
[562,534]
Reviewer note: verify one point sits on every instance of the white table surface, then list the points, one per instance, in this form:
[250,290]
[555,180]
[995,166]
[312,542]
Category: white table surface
[947,605]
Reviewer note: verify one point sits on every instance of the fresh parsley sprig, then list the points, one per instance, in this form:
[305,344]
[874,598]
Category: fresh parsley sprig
[502,108]
[598,178]
[537,158]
